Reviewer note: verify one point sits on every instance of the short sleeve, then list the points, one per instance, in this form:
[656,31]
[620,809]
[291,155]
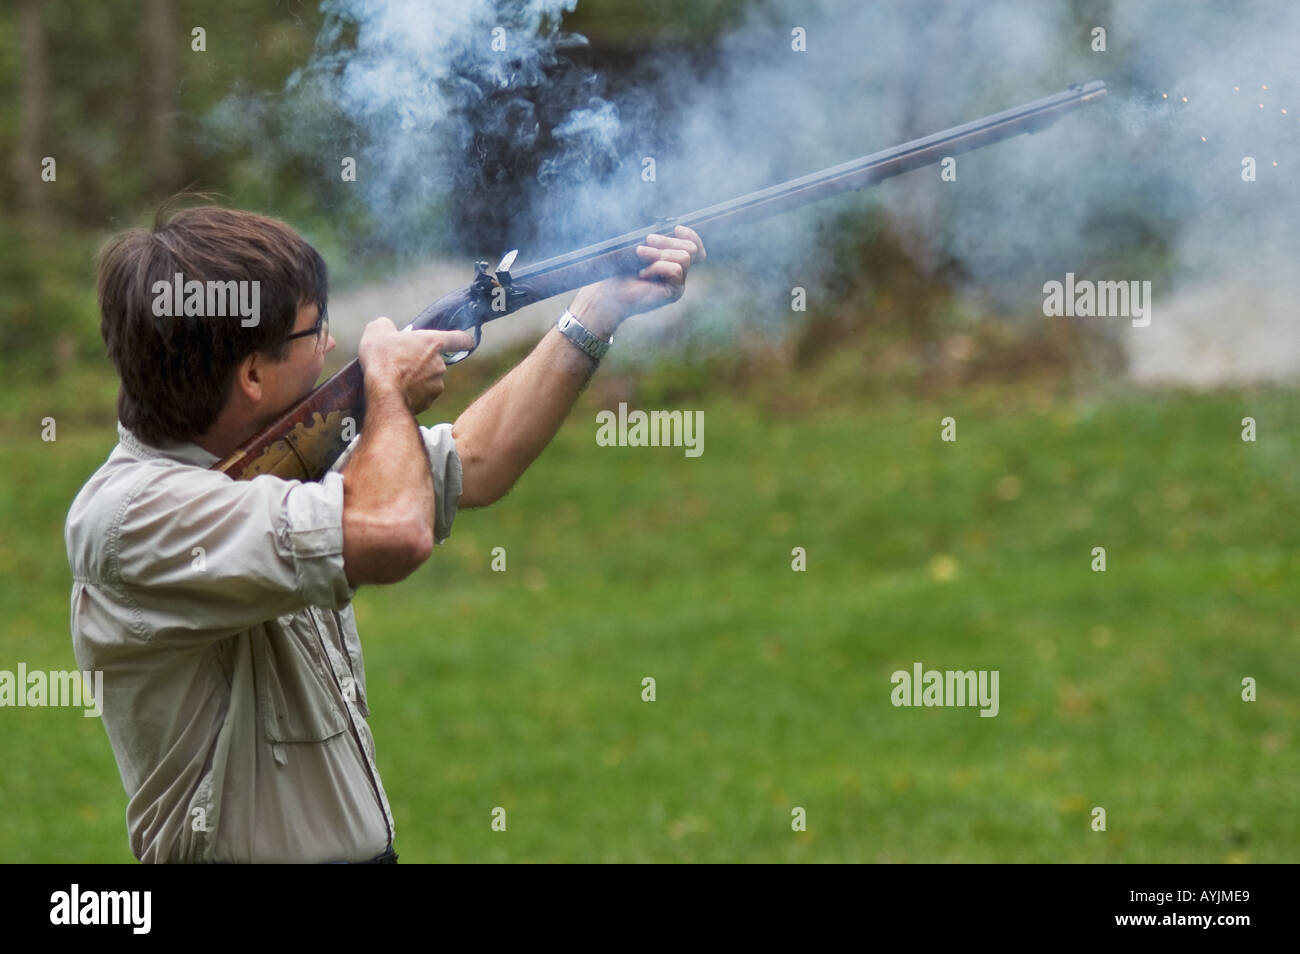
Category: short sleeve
[444,463]
[197,550]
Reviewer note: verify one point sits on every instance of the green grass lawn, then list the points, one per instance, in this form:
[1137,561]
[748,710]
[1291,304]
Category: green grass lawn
[522,688]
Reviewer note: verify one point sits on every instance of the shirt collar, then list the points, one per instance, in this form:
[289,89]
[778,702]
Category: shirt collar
[182,451]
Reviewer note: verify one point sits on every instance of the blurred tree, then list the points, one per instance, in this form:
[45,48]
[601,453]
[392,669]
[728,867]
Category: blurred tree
[34,106]
[162,39]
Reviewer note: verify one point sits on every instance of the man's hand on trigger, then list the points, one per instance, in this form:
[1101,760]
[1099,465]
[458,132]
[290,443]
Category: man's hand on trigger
[409,362]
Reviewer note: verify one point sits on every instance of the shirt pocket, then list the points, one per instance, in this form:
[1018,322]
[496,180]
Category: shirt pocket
[297,699]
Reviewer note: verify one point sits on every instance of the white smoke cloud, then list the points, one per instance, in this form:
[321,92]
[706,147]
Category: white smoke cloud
[1126,190]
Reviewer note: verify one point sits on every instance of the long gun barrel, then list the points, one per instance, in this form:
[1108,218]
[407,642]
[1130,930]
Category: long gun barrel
[306,440]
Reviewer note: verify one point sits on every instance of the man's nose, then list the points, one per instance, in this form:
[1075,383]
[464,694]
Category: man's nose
[329,344]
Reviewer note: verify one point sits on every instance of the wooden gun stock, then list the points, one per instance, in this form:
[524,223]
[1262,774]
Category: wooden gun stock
[305,441]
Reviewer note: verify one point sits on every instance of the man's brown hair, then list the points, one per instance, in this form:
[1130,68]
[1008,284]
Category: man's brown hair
[176,371]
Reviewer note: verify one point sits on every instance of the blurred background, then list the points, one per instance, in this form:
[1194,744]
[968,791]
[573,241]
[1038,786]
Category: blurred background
[523,689]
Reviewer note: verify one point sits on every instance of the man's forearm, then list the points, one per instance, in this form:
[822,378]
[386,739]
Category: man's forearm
[388,494]
[503,432]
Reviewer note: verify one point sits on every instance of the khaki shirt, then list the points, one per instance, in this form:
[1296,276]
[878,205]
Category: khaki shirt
[234,689]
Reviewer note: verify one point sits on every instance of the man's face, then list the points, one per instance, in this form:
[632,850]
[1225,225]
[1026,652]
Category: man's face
[287,382]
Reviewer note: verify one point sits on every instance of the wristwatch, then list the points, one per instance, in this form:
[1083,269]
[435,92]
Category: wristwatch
[587,343]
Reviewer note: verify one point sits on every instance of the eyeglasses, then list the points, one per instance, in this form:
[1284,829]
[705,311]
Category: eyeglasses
[321,330]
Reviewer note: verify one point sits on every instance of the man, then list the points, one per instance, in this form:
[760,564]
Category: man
[220,611]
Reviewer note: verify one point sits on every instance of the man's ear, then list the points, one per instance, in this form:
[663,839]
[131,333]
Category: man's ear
[249,377]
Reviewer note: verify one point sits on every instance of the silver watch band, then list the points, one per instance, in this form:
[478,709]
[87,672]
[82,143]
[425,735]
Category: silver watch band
[587,343]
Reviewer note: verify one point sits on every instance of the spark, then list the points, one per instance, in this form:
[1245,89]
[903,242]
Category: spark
[1275,162]
[1265,87]
[1164,95]
[1203,139]
[1261,105]
[1284,112]
[1184,99]
[1236,89]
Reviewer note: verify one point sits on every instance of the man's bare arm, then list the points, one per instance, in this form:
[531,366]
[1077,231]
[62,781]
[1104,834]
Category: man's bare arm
[500,435]
[388,500]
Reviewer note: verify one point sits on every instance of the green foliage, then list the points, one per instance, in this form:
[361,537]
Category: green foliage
[50,318]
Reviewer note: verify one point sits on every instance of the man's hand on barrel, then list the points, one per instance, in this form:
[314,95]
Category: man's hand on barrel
[602,307]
